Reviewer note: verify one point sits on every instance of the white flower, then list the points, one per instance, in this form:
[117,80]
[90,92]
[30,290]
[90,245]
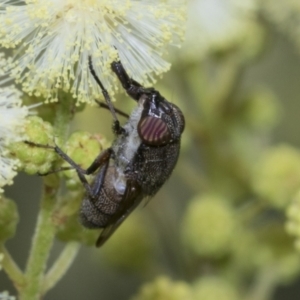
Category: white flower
[11,130]
[5,296]
[55,38]
[216,24]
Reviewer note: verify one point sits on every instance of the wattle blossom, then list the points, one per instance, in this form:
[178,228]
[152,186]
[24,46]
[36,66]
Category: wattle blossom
[5,296]
[54,38]
[13,116]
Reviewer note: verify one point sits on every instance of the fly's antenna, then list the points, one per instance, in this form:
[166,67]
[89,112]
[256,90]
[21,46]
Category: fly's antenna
[104,91]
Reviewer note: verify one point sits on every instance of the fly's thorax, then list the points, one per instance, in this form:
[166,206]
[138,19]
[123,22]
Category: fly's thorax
[125,148]
[127,144]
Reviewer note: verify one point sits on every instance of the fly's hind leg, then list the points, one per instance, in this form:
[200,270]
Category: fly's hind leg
[102,160]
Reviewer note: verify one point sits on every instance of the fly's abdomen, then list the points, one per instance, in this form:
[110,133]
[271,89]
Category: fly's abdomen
[97,212]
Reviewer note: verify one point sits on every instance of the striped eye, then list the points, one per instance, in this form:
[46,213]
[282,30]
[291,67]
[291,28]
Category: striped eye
[153,131]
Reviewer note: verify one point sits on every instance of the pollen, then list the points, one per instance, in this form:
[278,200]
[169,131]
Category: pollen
[11,130]
[53,40]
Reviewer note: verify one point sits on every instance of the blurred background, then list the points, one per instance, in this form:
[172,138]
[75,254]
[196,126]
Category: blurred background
[227,223]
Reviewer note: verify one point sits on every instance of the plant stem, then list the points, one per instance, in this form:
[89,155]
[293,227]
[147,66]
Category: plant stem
[63,119]
[61,266]
[11,269]
[264,285]
[41,246]
[46,228]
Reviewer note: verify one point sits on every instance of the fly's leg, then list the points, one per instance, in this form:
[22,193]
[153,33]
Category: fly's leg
[62,154]
[99,180]
[134,89]
[116,125]
[118,111]
[101,160]
[117,128]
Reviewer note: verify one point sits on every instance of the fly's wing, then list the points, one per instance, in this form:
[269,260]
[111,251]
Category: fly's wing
[132,198]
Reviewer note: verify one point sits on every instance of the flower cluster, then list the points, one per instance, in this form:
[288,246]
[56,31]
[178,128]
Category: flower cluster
[5,296]
[277,175]
[13,117]
[33,159]
[9,219]
[55,39]
[208,225]
[207,287]
[83,147]
[211,288]
[164,288]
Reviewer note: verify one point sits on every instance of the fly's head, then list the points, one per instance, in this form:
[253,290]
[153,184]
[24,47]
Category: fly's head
[161,122]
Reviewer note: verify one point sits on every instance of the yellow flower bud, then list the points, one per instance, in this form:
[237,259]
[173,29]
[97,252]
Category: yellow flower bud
[9,218]
[213,288]
[164,288]
[35,159]
[208,226]
[277,175]
[83,148]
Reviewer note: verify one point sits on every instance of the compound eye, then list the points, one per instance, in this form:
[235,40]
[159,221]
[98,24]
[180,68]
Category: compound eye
[153,131]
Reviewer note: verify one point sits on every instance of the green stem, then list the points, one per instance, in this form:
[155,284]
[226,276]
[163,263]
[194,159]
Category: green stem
[264,285]
[11,269]
[41,246]
[61,266]
[46,227]
[63,118]
[228,79]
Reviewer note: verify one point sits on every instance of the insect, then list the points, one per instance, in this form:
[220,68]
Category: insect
[140,160]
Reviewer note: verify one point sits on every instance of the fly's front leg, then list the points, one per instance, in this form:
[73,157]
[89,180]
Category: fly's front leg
[98,161]
[101,160]
[134,89]
[117,128]
[118,111]
[52,148]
